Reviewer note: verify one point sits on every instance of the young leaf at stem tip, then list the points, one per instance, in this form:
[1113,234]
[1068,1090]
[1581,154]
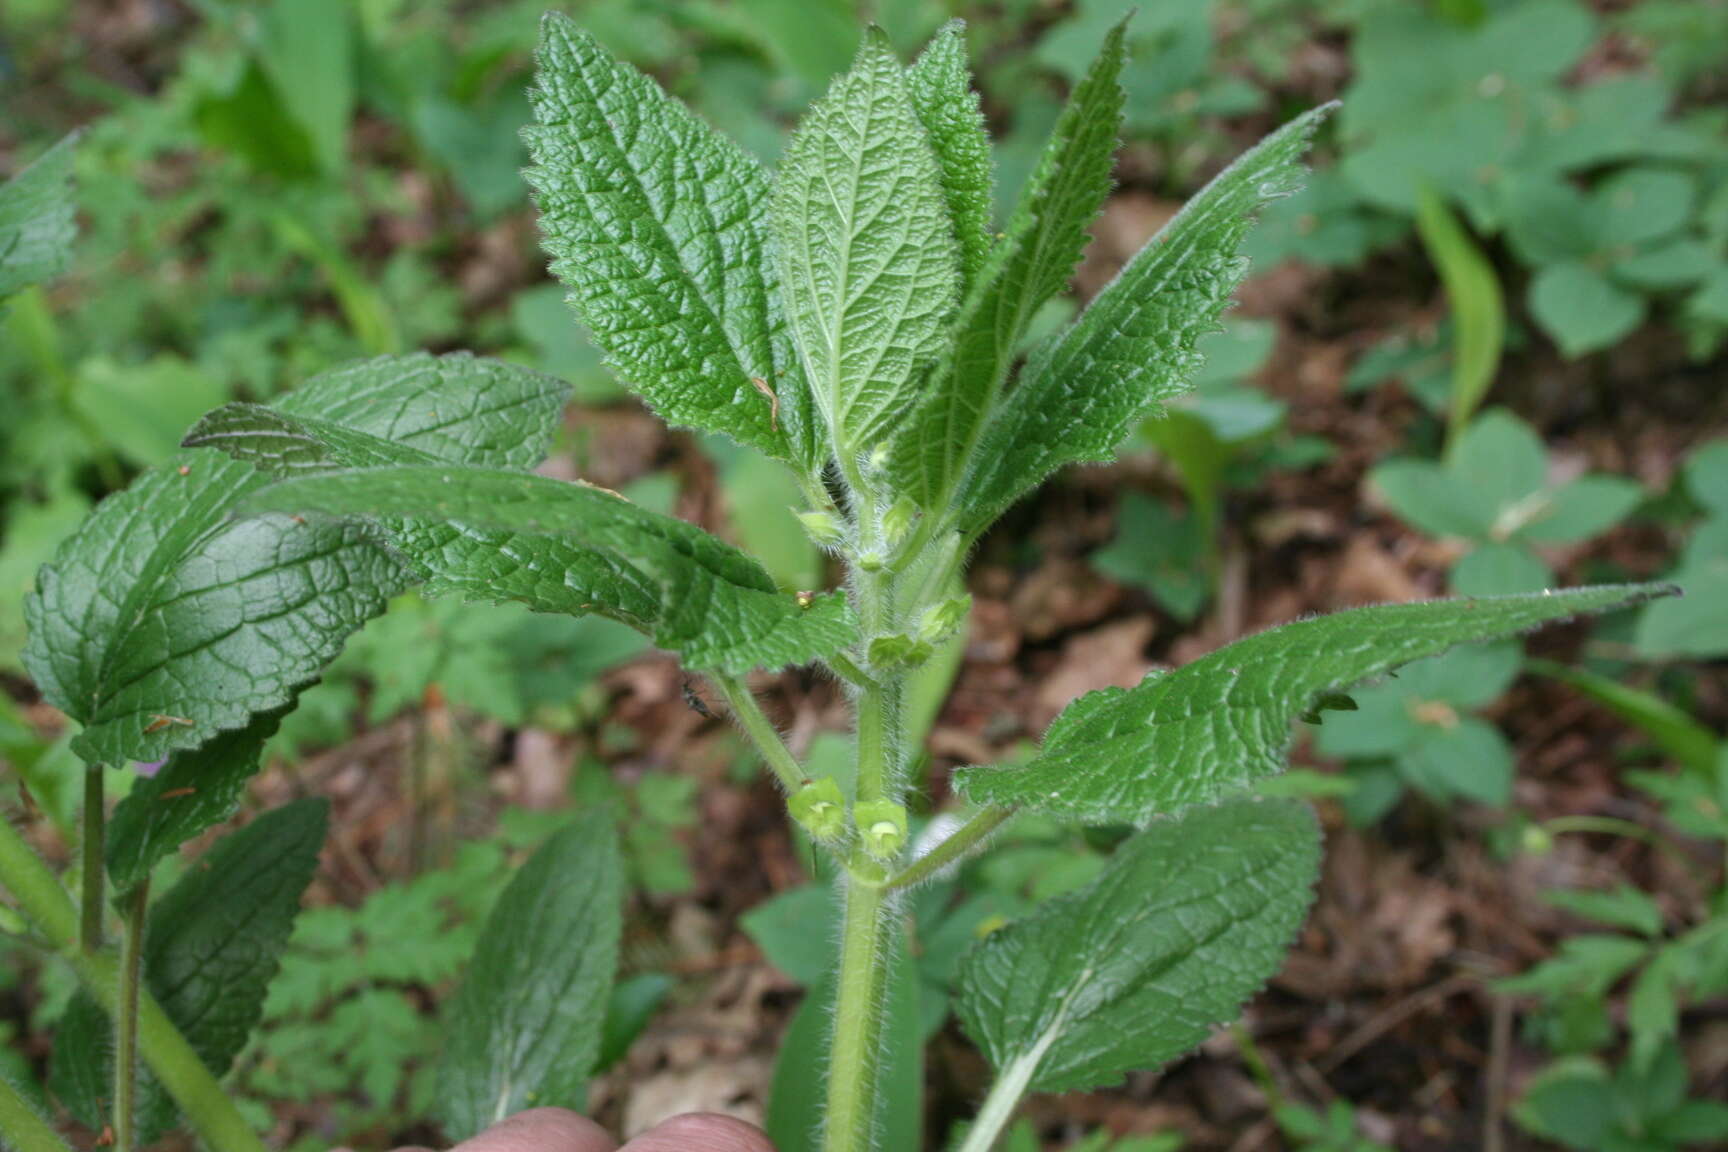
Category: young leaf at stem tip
[1031,263]
[940,82]
[1193,734]
[1188,920]
[658,224]
[869,266]
[1083,389]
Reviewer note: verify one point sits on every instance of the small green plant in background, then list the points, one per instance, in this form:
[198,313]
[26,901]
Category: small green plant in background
[858,317]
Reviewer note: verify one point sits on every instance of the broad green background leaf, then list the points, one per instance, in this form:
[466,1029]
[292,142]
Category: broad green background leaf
[164,621]
[658,225]
[36,225]
[940,83]
[197,789]
[211,949]
[1082,391]
[1473,295]
[1031,263]
[798,1095]
[1188,920]
[1208,728]
[307,48]
[869,267]
[525,1027]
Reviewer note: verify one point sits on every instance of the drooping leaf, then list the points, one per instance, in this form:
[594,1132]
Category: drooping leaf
[869,267]
[1033,262]
[163,621]
[36,226]
[940,82]
[1208,728]
[1477,306]
[574,548]
[212,946]
[526,1024]
[1187,921]
[1081,391]
[658,224]
[196,789]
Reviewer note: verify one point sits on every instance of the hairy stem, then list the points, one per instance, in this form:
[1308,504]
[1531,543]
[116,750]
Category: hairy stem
[22,1127]
[95,866]
[956,847]
[761,731]
[126,1018]
[1004,1098]
[855,1054]
[41,898]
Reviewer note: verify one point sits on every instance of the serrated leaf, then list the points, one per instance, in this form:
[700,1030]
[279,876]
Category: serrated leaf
[869,266]
[195,790]
[658,224]
[1033,262]
[1187,921]
[163,621]
[1082,391]
[212,946]
[576,549]
[525,1026]
[1206,729]
[36,225]
[940,83]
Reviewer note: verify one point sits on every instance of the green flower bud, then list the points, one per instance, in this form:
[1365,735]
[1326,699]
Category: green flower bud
[872,560]
[898,651]
[820,809]
[823,527]
[882,825]
[897,521]
[1536,840]
[940,620]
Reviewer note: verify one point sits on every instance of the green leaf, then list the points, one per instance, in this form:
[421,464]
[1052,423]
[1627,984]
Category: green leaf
[1187,921]
[1620,907]
[195,790]
[36,225]
[526,1024]
[212,946]
[940,84]
[164,621]
[658,225]
[1208,728]
[1082,391]
[1499,569]
[1671,728]
[307,49]
[1587,507]
[1473,295]
[1032,263]
[1581,308]
[869,266]
[574,548]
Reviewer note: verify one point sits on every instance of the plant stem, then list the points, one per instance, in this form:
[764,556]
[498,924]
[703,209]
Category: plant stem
[1004,1098]
[761,731]
[126,1018]
[855,1055]
[95,864]
[951,850]
[42,899]
[22,1127]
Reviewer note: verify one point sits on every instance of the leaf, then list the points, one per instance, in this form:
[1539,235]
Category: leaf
[1033,262]
[308,50]
[163,621]
[213,944]
[1473,296]
[1620,907]
[1187,921]
[1581,309]
[36,225]
[940,84]
[195,790]
[526,1024]
[1208,728]
[658,226]
[574,548]
[1082,391]
[1672,729]
[869,266]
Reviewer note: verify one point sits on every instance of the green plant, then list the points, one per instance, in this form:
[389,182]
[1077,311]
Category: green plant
[859,319]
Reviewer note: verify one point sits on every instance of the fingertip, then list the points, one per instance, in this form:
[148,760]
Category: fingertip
[541,1130]
[701,1132]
